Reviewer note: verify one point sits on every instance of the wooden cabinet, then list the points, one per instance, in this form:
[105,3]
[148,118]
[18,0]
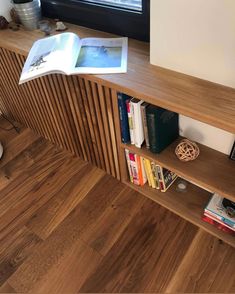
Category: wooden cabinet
[80,114]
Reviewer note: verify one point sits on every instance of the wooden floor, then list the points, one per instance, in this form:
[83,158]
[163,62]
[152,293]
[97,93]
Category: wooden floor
[67,227]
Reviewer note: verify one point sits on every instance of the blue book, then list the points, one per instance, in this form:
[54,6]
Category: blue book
[125,132]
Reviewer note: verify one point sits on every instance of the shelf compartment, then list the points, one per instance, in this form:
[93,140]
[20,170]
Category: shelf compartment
[188,205]
[212,170]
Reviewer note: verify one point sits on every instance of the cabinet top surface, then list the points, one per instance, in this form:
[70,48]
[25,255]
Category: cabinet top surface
[202,100]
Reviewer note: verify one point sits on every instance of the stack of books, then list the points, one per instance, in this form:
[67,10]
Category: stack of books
[142,170]
[220,214]
[141,122]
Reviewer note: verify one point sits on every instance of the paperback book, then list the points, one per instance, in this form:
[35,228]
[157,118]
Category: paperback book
[68,54]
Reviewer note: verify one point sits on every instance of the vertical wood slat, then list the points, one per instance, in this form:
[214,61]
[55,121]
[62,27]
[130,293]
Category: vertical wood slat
[71,111]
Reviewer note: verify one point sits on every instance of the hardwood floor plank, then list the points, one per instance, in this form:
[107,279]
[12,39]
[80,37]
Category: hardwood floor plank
[15,250]
[207,267]
[32,190]
[70,273]
[15,146]
[49,216]
[108,227]
[18,165]
[49,253]
[6,288]
[138,253]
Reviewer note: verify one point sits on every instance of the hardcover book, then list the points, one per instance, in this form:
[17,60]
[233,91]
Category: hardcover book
[137,122]
[163,127]
[125,133]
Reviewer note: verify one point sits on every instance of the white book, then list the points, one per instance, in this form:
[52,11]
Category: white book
[137,122]
[68,54]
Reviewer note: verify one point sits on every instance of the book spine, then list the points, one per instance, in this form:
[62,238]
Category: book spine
[123,118]
[137,123]
[217,224]
[143,170]
[160,178]
[155,174]
[134,168]
[147,171]
[145,127]
[223,219]
[130,120]
[219,221]
[153,184]
[169,178]
[151,123]
[129,164]
[140,175]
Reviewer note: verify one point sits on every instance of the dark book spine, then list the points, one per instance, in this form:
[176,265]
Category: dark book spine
[125,133]
[151,123]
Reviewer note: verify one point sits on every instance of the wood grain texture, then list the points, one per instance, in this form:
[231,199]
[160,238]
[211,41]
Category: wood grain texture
[202,100]
[69,111]
[101,236]
[212,169]
[200,270]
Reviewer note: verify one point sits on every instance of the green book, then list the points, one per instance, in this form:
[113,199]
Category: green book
[163,127]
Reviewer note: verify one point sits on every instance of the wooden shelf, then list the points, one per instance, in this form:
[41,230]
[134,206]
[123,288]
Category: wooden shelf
[212,169]
[202,100]
[188,205]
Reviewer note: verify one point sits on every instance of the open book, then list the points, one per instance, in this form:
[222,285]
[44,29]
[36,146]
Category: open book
[67,54]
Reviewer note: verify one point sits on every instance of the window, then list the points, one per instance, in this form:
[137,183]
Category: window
[129,4]
[123,17]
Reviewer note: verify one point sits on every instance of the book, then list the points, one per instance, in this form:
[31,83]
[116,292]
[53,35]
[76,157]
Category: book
[130,120]
[134,168]
[129,164]
[146,168]
[218,225]
[143,169]
[163,127]
[218,221]
[155,175]
[215,208]
[68,54]
[125,133]
[166,178]
[144,120]
[149,173]
[137,122]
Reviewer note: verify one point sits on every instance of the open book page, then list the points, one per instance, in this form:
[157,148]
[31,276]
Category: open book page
[101,55]
[55,54]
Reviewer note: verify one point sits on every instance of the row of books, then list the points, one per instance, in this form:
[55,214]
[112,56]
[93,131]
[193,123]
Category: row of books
[220,212]
[142,170]
[141,121]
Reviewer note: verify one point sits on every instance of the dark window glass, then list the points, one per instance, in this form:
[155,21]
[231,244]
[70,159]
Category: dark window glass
[128,18]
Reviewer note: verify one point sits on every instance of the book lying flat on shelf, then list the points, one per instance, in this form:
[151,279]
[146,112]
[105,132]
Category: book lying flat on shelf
[216,209]
[67,54]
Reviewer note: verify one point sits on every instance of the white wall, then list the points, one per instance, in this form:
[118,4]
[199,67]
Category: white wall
[196,37]
[5,6]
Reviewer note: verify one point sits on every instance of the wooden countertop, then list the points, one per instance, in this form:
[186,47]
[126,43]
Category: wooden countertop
[202,100]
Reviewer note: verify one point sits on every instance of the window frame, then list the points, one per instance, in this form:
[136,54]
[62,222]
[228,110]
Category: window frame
[133,24]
